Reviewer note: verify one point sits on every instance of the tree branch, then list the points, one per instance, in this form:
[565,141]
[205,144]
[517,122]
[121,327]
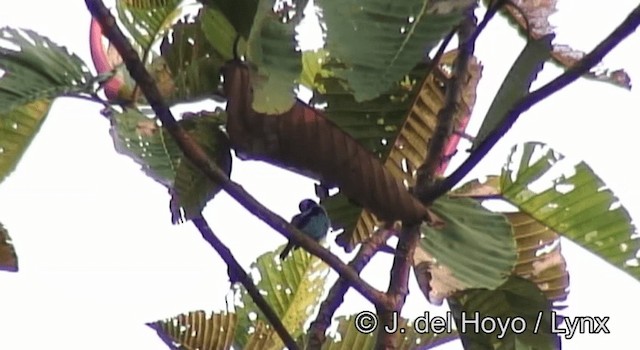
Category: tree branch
[196,154]
[335,297]
[241,276]
[583,66]
[425,179]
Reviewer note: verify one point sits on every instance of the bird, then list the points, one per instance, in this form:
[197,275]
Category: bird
[312,220]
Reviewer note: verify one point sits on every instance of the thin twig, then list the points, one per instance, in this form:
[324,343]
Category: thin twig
[200,159]
[241,276]
[335,297]
[583,66]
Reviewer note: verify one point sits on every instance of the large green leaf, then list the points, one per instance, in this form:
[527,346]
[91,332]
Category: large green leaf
[577,204]
[39,69]
[197,330]
[240,13]
[192,188]
[194,63]
[518,303]
[379,41]
[348,337]
[8,257]
[219,32]
[271,48]
[143,140]
[36,70]
[516,85]
[476,245]
[292,288]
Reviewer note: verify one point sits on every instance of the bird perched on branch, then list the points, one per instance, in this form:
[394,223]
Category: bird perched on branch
[312,220]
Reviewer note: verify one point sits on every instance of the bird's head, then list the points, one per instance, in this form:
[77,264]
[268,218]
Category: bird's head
[306,204]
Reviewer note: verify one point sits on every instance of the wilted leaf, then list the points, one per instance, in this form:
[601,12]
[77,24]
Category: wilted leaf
[537,16]
[198,330]
[517,301]
[380,41]
[8,257]
[292,288]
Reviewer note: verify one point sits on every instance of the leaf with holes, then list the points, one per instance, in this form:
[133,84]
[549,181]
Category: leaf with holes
[515,86]
[536,18]
[143,140]
[540,259]
[380,41]
[292,288]
[476,245]
[193,62]
[347,337]
[35,73]
[396,126]
[17,130]
[192,188]
[271,48]
[38,70]
[516,299]
[197,330]
[576,204]
[8,257]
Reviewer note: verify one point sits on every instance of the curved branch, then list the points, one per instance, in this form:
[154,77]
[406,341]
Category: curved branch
[196,154]
[241,275]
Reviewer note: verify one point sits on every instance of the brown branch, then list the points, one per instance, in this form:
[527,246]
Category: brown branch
[335,297]
[467,36]
[196,154]
[240,275]
[410,235]
[582,67]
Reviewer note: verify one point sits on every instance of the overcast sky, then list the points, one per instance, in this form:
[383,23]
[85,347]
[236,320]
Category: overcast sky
[99,256]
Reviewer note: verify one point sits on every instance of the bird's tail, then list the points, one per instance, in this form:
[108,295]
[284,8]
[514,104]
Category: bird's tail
[286,250]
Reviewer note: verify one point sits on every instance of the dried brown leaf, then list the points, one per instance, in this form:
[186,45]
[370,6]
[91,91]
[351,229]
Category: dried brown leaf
[537,14]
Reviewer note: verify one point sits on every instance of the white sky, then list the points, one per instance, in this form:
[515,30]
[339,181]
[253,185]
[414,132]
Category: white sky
[99,257]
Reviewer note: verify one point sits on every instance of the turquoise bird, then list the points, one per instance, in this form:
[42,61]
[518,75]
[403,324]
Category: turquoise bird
[312,220]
